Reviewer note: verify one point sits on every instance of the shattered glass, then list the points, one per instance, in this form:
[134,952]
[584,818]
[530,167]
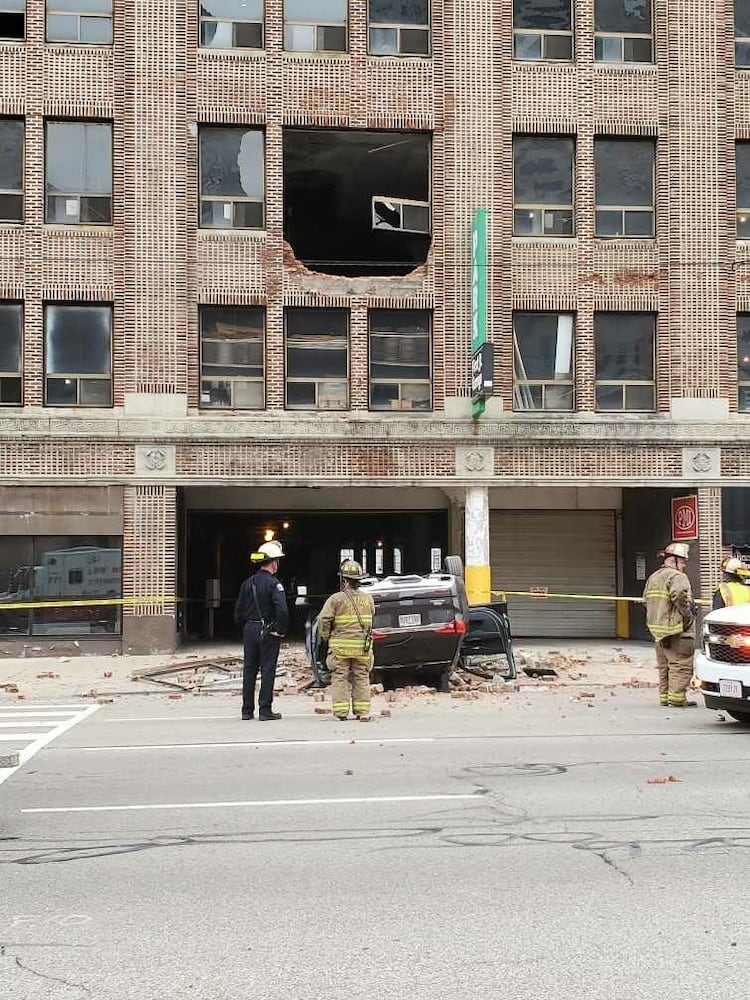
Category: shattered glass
[399,12]
[543,170]
[545,15]
[624,172]
[624,16]
[232,162]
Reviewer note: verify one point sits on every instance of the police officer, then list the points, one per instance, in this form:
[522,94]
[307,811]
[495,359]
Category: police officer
[345,623]
[735,588]
[262,612]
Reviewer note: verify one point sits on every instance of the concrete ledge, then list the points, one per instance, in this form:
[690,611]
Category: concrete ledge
[155,404]
[705,410]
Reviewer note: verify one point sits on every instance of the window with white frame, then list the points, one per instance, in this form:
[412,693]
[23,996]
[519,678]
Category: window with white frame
[542,29]
[400,214]
[13,19]
[624,187]
[543,169]
[79,173]
[624,351]
[231,24]
[232,178]
[400,359]
[78,355]
[11,169]
[315,25]
[623,31]
[743,361]
[11,353]
[543,361]
[232,357]
[82,22]
[399,27]
[742,165]
[317,359]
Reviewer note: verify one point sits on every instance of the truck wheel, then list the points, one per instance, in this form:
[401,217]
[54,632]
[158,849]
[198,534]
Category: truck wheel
[743,717]
[454,565]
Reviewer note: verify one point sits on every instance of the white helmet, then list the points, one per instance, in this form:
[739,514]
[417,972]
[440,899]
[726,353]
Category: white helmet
[679,549]
[267,552]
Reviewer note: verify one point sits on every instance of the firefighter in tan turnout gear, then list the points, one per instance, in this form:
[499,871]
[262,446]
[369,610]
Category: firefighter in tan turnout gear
[345,623]
[670,618]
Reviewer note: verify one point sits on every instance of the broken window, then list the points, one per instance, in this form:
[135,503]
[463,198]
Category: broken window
[543,356]
[232,357]
[543,185]
[742,33]
[743,360]
[542,29]
[87,22]
[11,327]
[315,25]
[623,31]
[232,178]
[399,27]
[78,355]
[400,359]
[79,173]
[13,19]
[232,24]
[624,187]
[317,359]
[742,156]
[357,202]
[624,360]
[11,170]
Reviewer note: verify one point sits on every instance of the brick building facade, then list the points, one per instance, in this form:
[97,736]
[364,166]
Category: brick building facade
[503,94]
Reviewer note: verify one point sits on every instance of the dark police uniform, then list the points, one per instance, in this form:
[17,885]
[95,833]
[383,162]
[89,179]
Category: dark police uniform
[260,614]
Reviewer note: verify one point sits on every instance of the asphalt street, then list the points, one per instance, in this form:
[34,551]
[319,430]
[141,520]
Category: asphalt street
[542,849]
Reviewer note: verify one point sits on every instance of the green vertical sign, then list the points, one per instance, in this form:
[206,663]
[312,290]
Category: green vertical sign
[478,297]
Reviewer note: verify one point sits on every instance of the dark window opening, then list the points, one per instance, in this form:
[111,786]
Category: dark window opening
[543,186]
[743,361]
[543,361]
[11,170]
[742,156]
[11,326]
[400,359]
[78,355]
[624,187]
[624,361]
[232,178]
[357,202]
[232,357]
[317,359]
[13,19]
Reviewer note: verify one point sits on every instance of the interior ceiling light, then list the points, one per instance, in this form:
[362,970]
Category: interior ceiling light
[268,535]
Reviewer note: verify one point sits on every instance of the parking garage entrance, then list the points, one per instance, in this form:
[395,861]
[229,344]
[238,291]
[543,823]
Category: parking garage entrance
[218,544]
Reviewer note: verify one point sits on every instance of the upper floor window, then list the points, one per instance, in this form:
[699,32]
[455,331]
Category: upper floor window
[13,19]
[543,185]
[543,361]
[78,355]
[624,187]
[232,357]
[400,27]
[624,360]
[742,33]
[232,178]
[315,25]
[11,170]
[317,359]
[742,156]
[231,24]
[87,22]
[79,173]
[400,361]
[623,31]
[11,326]
[743,360]
[542,29]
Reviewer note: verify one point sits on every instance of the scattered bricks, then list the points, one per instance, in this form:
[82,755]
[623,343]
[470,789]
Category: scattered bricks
[390,696]
[376,689]
[174,697]
[47,675]
[322,710]
[21,697]
[10,759]
[291,689]
[385,713]
[10,688]
[105,701]
[107,673]
[588,694]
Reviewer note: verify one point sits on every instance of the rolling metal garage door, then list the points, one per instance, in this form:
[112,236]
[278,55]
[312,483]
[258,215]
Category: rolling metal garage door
[568,552]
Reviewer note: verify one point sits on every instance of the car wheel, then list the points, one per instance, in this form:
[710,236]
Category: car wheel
[454,565]
[743,717]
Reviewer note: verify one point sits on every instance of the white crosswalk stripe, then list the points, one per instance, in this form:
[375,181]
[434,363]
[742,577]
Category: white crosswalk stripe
[29,730]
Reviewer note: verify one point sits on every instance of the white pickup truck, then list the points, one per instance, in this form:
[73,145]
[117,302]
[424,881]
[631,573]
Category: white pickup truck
[722,662]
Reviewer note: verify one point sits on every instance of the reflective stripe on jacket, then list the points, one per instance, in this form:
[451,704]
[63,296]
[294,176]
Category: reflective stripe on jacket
[669,604]
[734,593]
[339,622]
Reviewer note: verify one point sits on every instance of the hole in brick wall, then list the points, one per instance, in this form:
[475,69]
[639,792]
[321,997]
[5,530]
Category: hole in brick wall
[357,203]
[12,25]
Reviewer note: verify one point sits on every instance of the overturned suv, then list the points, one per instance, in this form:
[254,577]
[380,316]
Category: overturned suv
[722,664]
[424,625]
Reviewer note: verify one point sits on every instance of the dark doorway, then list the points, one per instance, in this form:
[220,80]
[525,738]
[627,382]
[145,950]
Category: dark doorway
[219,544]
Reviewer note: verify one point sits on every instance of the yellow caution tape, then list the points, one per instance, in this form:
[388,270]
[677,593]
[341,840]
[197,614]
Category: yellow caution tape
[96,603]
[541,594]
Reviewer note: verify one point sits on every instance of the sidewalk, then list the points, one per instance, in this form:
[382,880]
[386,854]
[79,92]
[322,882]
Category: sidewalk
[579,664]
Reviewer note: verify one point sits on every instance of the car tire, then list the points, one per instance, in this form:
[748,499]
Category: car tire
[742,717]
[454,565]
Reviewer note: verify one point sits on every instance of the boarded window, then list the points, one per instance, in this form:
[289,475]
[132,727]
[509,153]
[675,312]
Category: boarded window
[624,187]
[317,359]
[543,186]
[79,173]
[400,359]
[543,353]
[11,327]
[78,355]
[11,170]
[232,24]
[232,357]
[624,361]
[232,178]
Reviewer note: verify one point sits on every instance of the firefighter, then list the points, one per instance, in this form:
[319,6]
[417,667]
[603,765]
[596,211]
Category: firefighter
[345,623]
[262,613]
[735,588]
[670,618]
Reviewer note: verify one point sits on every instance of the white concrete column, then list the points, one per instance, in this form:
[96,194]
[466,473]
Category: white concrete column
[477,541]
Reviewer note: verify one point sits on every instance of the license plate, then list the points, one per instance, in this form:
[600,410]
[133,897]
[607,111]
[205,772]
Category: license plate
[730,689]
[405,621]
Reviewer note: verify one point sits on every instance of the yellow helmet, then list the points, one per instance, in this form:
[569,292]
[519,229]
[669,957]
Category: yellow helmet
[734,567]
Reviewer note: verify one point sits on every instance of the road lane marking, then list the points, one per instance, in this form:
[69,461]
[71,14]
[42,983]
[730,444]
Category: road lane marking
[244,743]
[253,803]
[31,725]
[46,707]
[37,741]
